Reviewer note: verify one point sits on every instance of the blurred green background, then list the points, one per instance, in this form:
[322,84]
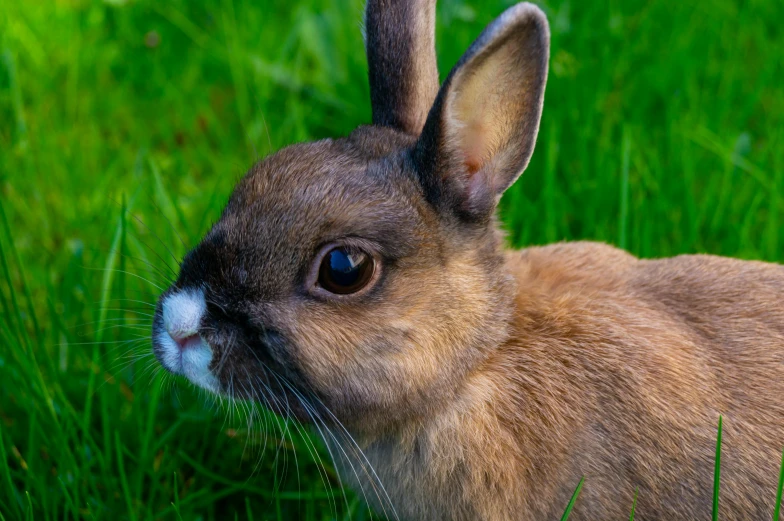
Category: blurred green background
[124,125]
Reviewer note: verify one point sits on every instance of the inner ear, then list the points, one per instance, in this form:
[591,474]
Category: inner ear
[481,109]
[481,131]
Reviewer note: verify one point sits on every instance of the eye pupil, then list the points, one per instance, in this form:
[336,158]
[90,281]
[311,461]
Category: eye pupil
[344,271]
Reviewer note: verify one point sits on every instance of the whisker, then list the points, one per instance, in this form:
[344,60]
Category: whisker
[121,364]
[171,224]
[354,442]
[151,283]
[132,310]
[287,430]
[130,320]
[308,410]
[100,342]
[351,464]
[167,275]
[262,397]
[143,302]
[319,464]
[314,415]
[171,253]
[120,326]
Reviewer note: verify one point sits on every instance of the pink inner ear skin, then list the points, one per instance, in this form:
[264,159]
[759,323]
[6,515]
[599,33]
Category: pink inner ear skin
[472,165]
[473,147]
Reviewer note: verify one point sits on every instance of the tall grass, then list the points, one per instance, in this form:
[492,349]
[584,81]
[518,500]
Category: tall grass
[125,123]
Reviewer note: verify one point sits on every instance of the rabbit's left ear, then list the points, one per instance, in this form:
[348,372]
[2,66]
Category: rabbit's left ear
[481,130]
[401,52]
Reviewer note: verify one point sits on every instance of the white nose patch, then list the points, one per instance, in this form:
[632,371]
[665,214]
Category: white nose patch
[182,313]
[183,351]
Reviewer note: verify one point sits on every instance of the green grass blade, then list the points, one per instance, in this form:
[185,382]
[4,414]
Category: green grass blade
[166,203]
[623,227]
[248,510]
[550,187]
[68,498]
[106,285]
[634,504]
[572,501]
[717,474]
[3,301]
[16,98]
[29,515]
[11,494]
[22,279]
[176,502]
[108,275]
[777,508]
[16,311]
[123,476]
[772,234]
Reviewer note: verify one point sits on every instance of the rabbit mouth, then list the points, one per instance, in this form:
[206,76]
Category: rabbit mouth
[191,359]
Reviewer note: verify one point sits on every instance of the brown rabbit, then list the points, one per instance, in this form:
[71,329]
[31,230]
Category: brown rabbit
[362,284]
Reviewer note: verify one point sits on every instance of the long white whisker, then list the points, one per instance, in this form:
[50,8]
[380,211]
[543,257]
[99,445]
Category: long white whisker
[348,459]
[126,272]
[310,446]
[361,452]
[104,342]
[313,452]
[137,219]
[171,224]
[145,303]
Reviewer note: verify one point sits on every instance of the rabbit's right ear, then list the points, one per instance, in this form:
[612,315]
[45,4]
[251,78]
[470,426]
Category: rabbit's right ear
[401,52]
[482,129]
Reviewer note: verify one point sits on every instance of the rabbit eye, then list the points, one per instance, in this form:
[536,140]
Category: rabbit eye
[345,270]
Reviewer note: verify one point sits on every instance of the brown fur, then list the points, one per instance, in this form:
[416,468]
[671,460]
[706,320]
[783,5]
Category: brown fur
[469,382]
[402,62]
[615,369]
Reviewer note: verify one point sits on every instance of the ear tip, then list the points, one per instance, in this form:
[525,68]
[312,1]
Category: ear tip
[526,12]
[527,9]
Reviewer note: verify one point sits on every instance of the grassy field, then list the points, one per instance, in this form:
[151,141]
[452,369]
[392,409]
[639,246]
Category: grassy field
[125,123]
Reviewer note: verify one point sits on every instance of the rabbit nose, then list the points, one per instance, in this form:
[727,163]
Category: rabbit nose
[182,315]
[185,342]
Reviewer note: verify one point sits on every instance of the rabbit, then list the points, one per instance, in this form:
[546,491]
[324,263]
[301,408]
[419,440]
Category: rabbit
[362,285]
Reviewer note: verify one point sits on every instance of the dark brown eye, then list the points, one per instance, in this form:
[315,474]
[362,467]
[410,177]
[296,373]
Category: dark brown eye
[345,270]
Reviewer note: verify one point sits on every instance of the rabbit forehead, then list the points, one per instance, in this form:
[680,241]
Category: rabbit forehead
[320,192]
[303,197]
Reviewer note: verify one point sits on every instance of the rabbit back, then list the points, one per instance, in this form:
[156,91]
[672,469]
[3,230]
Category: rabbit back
[641,357]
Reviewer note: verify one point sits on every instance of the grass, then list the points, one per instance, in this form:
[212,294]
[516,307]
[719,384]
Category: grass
[717,474]
[573,500]
[124,125]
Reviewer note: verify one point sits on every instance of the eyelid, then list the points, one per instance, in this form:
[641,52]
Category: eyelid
[354,243]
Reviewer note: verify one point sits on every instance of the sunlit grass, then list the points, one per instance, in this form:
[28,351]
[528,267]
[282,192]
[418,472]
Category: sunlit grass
[125,124]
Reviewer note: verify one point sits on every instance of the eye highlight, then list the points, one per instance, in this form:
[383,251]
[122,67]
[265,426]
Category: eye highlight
[345,270]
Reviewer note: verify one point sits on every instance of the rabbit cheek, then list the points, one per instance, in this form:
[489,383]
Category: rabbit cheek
[403,355]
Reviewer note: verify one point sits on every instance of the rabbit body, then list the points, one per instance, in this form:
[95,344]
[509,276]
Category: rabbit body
[615,369]
[361,284]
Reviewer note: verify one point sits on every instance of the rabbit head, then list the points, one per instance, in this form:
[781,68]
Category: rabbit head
[365,275]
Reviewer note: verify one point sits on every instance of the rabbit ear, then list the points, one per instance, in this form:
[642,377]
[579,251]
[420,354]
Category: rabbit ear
[400,40]
[482,128]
